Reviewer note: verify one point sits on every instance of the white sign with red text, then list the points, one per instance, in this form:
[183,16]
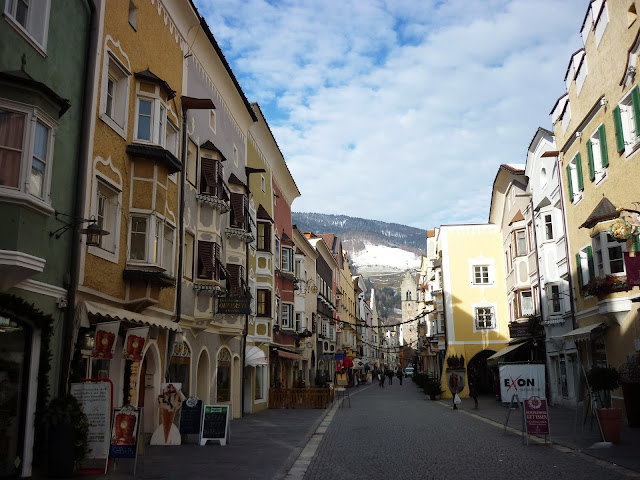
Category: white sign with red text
[523,380]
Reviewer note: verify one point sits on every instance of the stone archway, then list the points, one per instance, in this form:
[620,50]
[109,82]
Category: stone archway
[203,385]
[483,373]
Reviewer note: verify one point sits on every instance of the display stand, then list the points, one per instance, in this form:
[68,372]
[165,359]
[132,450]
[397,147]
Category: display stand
[124,433]
[215,424]
[519,405]
[341,390]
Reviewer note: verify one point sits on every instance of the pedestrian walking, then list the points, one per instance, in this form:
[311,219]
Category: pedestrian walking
[473,388]
[453,386]
[399,375]
[381,379]
[390,375]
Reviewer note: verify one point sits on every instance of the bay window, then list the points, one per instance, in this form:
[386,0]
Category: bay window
[287,259]
[151,241]
[26,152]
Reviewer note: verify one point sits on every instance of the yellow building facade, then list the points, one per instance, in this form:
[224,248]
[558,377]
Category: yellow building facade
[474,301]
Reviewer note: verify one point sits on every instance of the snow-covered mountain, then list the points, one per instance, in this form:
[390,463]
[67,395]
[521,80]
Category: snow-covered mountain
[378,250]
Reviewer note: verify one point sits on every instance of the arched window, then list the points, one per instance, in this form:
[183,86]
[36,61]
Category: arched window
[179,365]
[224,376]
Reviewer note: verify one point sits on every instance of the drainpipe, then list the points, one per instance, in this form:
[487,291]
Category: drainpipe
[70,333]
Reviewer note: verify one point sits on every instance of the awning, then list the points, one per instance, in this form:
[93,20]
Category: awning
[287,354]
[253,357]
[583,333]
[501,353]
[113,313]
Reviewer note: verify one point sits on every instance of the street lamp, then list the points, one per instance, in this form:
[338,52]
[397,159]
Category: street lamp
[93,231]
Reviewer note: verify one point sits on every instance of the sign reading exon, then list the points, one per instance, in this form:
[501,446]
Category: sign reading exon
[524,380]
[234,305]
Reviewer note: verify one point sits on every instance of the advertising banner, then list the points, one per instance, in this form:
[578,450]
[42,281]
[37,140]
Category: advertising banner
[134,343]
[523,380]
[536,416]
[105,340]
[124,433]
[95,399]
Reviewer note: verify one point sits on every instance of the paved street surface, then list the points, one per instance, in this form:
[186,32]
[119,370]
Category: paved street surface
[393,433]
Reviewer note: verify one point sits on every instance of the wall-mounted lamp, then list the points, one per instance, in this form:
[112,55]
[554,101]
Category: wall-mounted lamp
[604,101]
[578,134]
[93,231]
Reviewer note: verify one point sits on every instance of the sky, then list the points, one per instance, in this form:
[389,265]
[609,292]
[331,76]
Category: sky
[400,110]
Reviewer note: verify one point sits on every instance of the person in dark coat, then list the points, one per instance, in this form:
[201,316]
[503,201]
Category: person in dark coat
[381,379]
[390,375]
[473,388]
[399,375]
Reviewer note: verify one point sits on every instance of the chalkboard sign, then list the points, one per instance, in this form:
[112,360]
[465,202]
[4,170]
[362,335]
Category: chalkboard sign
[191,416]
[215,424]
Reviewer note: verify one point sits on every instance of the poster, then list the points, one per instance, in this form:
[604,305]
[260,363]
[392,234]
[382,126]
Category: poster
[523,380]
[105,340]
[134,343]
[124,433]
[536,416]
[95,399]
[169,402]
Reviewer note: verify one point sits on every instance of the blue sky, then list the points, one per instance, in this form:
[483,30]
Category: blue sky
[400,110]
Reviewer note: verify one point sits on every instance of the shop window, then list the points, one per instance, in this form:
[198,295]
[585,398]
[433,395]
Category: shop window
[179,365]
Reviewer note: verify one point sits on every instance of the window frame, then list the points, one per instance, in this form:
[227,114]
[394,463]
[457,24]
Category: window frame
[606,243]
[286,253]
[548,226]
[484,308]
[481,277]
[627,122]
[575,182]
[191,175]
[263,238]
[520,243]
[597,155]
[153,237]
[189,253]
[113,225]
[263,305]
[288,317]
[32,116]
[112,67]
[32,24]
[214,272]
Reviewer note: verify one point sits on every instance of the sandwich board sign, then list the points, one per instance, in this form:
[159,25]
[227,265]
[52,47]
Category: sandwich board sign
[215,424]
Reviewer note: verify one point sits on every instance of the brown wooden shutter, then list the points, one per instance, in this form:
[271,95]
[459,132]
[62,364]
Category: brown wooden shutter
[233,281]
[205,254]
[217,261]
[237,205]
[208,167]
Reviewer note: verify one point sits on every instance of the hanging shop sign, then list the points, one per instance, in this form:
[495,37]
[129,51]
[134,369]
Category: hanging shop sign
[234,305]
[134,343]
[105,340]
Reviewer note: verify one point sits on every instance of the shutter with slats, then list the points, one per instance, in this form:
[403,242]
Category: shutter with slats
[209,168]
[237,205]
[592,269]
[617,121]
[636,243]
[217,261]
[569,183]
[635,99]
[205,254]
[604,155]
[579,172]
[579,270]
[234,285]
[592,170]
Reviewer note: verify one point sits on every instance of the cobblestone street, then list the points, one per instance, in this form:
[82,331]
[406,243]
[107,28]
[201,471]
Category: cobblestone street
[385,433]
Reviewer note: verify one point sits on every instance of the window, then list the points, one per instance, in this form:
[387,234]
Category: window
[31,19]
[602,20]
[172,138]
[151,241]
[26,152]
[208,260]
[133,15]
[287,315]
[263,242]
[263,185]
[287,259]
[108,213]
[325,329]
[277,249]
[235,155]
[278,311]
[299,325]
[626,118]
[581,74]
[526,304]
[481,275]
[211,174]
[263,302]
[608,255]
[548,227]
[597,155]
[575,183]
[259,382]
[566,118]
[212,120]
[187,266]
[484,318]
[554,305]
[332,333]
[521,243]
[223,376]
[152,124]
[115,94]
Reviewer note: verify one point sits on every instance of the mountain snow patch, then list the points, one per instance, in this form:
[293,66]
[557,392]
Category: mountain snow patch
[381,255]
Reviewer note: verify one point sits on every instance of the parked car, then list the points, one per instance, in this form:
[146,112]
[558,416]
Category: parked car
[408,371]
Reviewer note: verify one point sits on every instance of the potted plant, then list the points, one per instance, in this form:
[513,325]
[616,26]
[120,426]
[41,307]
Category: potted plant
[630,380]
[68,428]
[603,380]
[432,387]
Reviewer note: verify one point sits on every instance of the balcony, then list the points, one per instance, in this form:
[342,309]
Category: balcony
[244,235]
[215,202]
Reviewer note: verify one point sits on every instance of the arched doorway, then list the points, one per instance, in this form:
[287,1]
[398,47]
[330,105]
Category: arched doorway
[203,386]
[149,380]
[223,376]
[484,375]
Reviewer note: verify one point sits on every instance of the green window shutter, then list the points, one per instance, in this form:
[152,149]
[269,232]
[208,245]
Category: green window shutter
[635,98]
[579,270]
[569,183]
[579,172]
[603,146]
[592,269]
[636,243]
[617,120]
[592,170]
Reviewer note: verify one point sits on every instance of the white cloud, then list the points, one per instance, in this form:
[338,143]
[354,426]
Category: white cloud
[403,110]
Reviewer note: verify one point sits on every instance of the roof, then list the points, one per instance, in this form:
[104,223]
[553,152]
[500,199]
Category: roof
[233,179]
[149,76]
[208,145]
[518,217]
[262,214]
[22,79]
[605,210]
[431,233]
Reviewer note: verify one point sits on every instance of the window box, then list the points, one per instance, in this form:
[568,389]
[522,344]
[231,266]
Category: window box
[599,286]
